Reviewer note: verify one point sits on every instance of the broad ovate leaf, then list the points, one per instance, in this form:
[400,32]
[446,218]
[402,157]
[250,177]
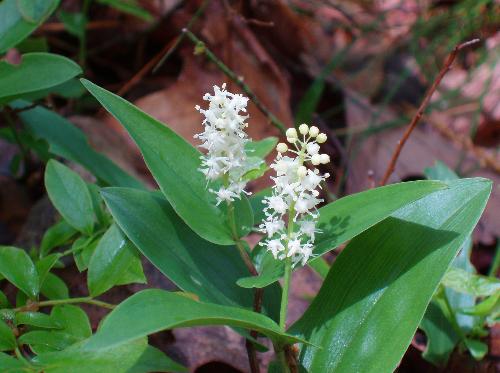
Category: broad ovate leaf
[19,18]
[18,268]
[35,72]
[111,258]
[70,196]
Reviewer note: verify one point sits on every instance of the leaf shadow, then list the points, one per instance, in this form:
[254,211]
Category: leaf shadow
[370,265]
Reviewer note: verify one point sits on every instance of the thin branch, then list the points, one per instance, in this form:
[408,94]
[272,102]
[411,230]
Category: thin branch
[202,48]
[94,25]
[418,115]
[166,54]
[47,303]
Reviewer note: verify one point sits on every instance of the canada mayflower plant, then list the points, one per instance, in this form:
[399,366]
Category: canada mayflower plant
[294,200]
[198,229]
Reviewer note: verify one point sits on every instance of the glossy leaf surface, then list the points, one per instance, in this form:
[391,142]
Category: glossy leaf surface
[19,18]
[174,163]
[18,268]
[346,218]
[197,266]
[153,310]
[111,258]
[35,72]
[374,295]
[70,196]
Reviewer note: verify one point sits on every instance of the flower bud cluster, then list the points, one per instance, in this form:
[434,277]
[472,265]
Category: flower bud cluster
[295,195]
[224,139]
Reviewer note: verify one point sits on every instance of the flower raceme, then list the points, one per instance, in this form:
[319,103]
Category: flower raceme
[291,213]
[224,139]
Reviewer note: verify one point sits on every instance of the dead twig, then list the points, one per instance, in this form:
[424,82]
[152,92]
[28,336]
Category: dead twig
[166,54]
[202,48]
[94,25]
[418,115]
[138,76]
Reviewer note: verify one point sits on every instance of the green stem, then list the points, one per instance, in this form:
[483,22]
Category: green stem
[48,303]
[495,264]
[453,317]
[288,270]
[258,294]
[282,359]
[285,293]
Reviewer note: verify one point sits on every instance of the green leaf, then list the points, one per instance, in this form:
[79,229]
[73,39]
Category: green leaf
[262,148]
[17,267]
[83,250]
[44,265]
[71,143]
[153,310]
[73,326]
[345,218]
[243,216]
[97,204]
[441,337]
[174,164]
[16,23]
[43,340]
[455,299]
[193,264]
[54,288]
[69,89]
[380,285]
[477,348]
[70,196]
[257,205]
[468,283]
[35,72]
[133,357]
[153,360]
[7,339]
[37,319]
[110,259]
[440,172]
[10,364]
[484,308]
[57,235]
[320,266]
[72,320]
[129,6]
[134,274]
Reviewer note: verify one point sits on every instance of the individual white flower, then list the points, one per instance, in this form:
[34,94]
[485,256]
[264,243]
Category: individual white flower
[275,247]
[272,226]
[295,196]
[308,228]
[224,194]
[224,138]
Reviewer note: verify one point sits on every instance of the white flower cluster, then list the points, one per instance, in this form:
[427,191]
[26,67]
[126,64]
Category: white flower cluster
[295,196]
[224,139]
